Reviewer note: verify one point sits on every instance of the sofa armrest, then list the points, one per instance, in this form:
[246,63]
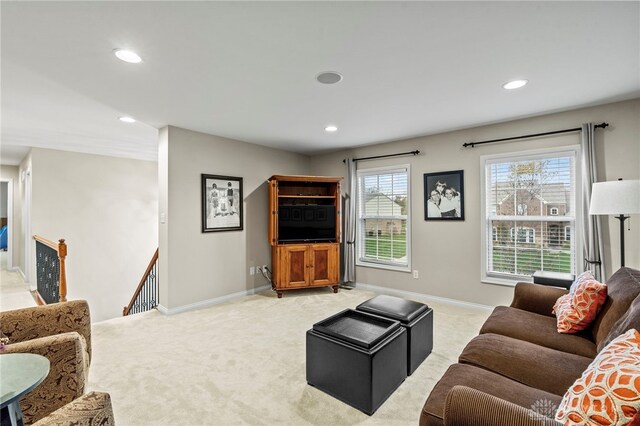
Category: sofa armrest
[470,407]
[536,298]
[92,409]
[31,323]
[67,373]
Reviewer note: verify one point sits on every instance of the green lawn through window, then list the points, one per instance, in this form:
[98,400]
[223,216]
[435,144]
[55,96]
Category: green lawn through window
[386,247]
[525,261]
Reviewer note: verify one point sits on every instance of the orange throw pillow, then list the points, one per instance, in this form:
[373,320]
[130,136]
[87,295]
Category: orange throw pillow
[577,310]
[608,393]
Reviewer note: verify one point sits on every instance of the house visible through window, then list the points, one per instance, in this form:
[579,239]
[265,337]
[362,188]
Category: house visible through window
[521,234]
[383,218]
[522,209]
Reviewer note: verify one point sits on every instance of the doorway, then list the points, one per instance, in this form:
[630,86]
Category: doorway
[6,222]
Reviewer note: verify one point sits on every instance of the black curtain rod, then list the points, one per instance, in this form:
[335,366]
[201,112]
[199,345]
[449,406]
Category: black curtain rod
[577,129]
[416,152]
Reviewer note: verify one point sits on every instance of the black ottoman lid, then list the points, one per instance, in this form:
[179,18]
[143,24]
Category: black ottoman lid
[399,309]
[360,328]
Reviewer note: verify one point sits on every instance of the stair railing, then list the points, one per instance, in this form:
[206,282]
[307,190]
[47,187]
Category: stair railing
[51,278]
[147,293]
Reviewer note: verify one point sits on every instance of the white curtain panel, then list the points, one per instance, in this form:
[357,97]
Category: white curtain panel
[592,228]
[351,210]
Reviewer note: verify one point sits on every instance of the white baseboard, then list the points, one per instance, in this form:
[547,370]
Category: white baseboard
[423,297]
[18,270]
[210,302]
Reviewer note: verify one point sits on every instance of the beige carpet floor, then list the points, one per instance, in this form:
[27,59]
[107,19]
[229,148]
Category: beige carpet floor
[14,293]
[243,362]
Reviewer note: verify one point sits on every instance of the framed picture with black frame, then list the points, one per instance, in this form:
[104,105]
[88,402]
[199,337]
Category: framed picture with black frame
[221,203]
[444,195]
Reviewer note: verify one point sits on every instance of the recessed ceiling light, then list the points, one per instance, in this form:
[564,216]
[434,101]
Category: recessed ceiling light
[329,77]
[330,128]
[515,84]
[128,119]
[127,56]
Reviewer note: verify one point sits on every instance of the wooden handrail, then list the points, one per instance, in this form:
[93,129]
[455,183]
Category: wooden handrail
[126,309]
[61,249]
[36,296]
[46,242]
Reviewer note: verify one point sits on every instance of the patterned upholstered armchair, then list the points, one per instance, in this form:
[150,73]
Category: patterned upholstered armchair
[62,333]
[91,409]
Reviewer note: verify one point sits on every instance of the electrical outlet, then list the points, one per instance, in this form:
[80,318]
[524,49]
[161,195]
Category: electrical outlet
[415,274]
[252,270]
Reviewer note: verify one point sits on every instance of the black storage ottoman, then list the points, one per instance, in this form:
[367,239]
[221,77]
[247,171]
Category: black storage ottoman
[555,279]
[357,358]
[416,317]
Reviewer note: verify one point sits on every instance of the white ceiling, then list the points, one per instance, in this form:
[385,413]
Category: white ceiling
[246,70]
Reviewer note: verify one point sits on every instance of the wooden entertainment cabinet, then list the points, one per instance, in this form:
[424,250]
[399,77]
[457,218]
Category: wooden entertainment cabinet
[304,232]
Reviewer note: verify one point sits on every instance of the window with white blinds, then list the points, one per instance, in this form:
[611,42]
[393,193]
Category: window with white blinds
[383,218]
[529,213]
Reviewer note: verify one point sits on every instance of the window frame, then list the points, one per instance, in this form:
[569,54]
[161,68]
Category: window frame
[360,220]
[535,154]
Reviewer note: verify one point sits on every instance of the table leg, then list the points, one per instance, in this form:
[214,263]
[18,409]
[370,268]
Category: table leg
[15,414]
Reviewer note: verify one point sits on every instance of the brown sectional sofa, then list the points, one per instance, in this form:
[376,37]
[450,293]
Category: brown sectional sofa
[519,361]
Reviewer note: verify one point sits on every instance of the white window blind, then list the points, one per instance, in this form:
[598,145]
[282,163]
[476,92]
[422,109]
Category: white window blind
[383,218]
[530,214]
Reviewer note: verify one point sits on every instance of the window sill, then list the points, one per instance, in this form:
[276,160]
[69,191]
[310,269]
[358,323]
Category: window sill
[507,282]
[383,266]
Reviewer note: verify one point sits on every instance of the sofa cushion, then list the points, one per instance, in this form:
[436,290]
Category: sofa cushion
[536,298]
[533,365]
[630,319]
[485,381]
[622,288]
[538,329]
[466,406]
[608,392]
[578,309]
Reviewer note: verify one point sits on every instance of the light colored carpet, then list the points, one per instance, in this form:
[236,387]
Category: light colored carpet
[243,362]
[14,293]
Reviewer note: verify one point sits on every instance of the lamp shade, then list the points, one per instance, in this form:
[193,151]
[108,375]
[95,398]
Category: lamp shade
[615,197]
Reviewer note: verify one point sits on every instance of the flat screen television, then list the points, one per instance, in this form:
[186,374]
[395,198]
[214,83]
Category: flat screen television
[306,223]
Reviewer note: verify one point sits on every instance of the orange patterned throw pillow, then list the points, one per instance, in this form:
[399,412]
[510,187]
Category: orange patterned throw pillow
[577,310]
[608,393]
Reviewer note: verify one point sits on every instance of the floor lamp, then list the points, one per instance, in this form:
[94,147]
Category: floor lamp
[618,197]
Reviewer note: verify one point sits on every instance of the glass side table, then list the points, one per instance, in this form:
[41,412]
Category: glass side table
[19,375]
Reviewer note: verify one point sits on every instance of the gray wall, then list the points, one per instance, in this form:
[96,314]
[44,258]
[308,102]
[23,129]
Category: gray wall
[106,208]
[448,255]
[196,267]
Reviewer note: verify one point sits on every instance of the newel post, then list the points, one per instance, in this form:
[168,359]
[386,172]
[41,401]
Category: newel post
[62,254]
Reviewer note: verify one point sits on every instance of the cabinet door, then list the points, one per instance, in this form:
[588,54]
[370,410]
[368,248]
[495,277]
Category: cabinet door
[339,212]
[324,264]
[295,266]
[273,212]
